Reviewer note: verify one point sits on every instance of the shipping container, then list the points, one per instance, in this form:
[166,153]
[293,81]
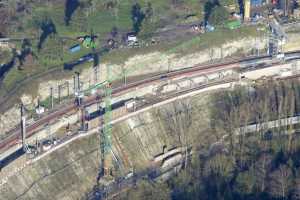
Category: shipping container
[256,3]
[75,48]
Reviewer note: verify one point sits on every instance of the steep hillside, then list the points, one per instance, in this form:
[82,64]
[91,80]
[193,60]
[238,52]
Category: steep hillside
[225,163]
[71,171]
[132,66]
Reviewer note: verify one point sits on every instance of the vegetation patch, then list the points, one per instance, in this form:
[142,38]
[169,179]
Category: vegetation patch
[261,165]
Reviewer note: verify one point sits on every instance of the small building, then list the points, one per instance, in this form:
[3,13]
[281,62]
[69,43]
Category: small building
[256,3]
[209,28]
[131,105]
[198,28]
[195,27]
[4,45]
[131,38]
[40,110]
[47,144]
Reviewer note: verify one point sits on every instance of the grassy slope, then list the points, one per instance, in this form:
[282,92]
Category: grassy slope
[190,45]
[55,52]
[101,20]
[220,36]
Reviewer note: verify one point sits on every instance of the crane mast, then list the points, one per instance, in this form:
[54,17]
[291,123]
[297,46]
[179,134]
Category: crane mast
[106,130]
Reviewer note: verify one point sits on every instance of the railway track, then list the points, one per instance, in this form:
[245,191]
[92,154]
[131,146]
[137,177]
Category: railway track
[13,138]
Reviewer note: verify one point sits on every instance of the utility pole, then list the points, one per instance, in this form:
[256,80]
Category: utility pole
[37,144]
[124,74]
[96,72]
[48,133]
[51,96]
[23,128]
[74,85]
[77,88]
[59,93]
[221,49]
[83,124]
[78,81]
[38,107]
[68,87]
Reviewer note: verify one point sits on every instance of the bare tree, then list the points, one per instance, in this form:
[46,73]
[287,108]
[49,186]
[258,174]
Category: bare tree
[290,113]
[280,182]
[221,165]
[296,189]
[261,167]
[148,191]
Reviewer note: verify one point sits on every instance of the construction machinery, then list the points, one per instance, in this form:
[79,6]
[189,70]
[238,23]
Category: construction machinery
[105,127]
[106,132]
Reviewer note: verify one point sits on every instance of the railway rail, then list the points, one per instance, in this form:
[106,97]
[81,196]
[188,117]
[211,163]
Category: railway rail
[13,137]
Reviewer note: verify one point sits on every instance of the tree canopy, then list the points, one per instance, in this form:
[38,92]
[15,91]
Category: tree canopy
[218,15]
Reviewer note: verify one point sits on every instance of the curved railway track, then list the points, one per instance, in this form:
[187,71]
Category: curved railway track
[13,138]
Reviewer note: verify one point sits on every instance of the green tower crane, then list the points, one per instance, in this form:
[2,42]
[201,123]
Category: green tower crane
[106,130]
[105,127]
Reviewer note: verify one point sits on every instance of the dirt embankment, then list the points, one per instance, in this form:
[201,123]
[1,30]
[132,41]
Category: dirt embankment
[139,65]
[154,62]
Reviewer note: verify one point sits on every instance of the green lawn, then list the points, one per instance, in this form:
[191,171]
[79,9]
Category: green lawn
[5,56]
[187,46]
[213,39]
[101,20]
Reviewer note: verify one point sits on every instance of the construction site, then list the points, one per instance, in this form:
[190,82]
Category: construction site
[102,131]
